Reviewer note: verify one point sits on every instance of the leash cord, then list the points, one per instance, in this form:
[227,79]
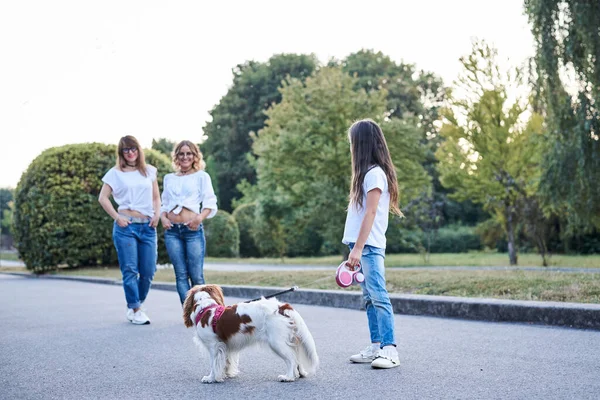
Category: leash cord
[292,289]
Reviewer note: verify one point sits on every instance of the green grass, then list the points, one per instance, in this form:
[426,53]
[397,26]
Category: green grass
[9,256]
[516,285]
[474,259]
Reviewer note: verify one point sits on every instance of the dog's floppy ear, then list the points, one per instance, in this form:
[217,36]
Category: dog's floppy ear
[188,307]
[215,292]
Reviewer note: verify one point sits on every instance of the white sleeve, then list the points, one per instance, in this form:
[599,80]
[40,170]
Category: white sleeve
[110,178]
[208,197]
[152,172]
[165,198]
[375,179]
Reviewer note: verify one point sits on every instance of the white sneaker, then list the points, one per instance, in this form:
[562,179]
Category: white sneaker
[129,314]
[367,355]
[387,358]
[140,318]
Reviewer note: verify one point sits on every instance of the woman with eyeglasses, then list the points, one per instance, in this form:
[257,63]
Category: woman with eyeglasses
[188,199]
[133,186]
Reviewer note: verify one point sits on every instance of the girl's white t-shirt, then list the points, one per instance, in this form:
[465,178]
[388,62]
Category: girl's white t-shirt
[188,191]
[374,178]
[132,190]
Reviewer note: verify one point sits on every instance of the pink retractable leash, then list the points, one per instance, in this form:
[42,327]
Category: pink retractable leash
[345,277]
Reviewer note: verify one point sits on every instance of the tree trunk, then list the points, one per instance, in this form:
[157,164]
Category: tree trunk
[512,250]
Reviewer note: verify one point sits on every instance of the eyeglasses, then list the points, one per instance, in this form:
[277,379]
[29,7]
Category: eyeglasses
[183,155]
[127,150]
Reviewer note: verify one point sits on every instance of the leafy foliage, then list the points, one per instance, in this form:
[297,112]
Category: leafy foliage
[568,56]
[6,203]
[222,235]
[245,218]
[454,239]
[164,146]
[303,157]
[416,96]
[410,93]
[241,111]
[488,157]
[57,218]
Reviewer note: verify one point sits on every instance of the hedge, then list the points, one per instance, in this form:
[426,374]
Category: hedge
[58,219]
[455,239]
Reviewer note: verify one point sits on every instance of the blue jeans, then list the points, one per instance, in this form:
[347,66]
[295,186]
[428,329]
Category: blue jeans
[186,250]
[137,251]
[380,313]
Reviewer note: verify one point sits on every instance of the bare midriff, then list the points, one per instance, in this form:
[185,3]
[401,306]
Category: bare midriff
[133,213]
[184,216]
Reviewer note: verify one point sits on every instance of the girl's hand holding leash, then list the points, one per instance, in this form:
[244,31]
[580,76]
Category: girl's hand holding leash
[354,258]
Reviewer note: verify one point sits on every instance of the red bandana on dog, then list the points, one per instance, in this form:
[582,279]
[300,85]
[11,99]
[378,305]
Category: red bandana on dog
[218,312]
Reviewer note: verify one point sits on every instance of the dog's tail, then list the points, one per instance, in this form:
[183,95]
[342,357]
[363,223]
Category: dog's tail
[307,353]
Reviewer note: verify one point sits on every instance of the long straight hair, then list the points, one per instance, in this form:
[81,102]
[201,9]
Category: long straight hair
[369,149]
[140,162]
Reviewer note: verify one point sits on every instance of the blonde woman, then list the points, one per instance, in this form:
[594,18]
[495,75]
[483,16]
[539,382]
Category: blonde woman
[132,184]
[188,199]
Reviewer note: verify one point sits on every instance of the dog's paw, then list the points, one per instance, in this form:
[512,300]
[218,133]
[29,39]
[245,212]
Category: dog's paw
[210,379]
[232,374]
[302,372]
[285,378]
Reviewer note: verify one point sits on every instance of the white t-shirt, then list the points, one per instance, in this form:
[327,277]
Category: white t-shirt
[188,191]
[132,190]
[375,178]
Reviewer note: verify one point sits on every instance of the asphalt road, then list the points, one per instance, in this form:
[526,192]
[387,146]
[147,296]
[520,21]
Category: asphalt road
[70,340]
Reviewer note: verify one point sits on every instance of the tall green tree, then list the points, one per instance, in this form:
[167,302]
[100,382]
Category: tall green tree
[303,154]
[488,155]
[415,95]
[163,145]
[241,111]
[410,93]
[567,62]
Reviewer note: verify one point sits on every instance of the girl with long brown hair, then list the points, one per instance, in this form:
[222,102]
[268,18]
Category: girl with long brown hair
[373,194]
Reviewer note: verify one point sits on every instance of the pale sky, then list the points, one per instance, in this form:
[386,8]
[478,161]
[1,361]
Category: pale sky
[92,71]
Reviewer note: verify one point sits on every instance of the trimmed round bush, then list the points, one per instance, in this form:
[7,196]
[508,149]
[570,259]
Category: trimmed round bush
[222,235]
[455,239]
[244,216]
[58,219]
[301,241]
[269,236]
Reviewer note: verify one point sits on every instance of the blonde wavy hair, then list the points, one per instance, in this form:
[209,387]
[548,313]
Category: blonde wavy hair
[197,165]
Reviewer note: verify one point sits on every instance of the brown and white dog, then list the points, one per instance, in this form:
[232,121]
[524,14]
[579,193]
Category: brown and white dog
[225,331]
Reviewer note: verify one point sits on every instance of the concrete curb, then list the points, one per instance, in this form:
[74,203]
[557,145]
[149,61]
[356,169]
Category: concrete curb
[572,315]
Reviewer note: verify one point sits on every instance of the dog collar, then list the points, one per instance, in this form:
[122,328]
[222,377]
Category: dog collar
[216,316]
